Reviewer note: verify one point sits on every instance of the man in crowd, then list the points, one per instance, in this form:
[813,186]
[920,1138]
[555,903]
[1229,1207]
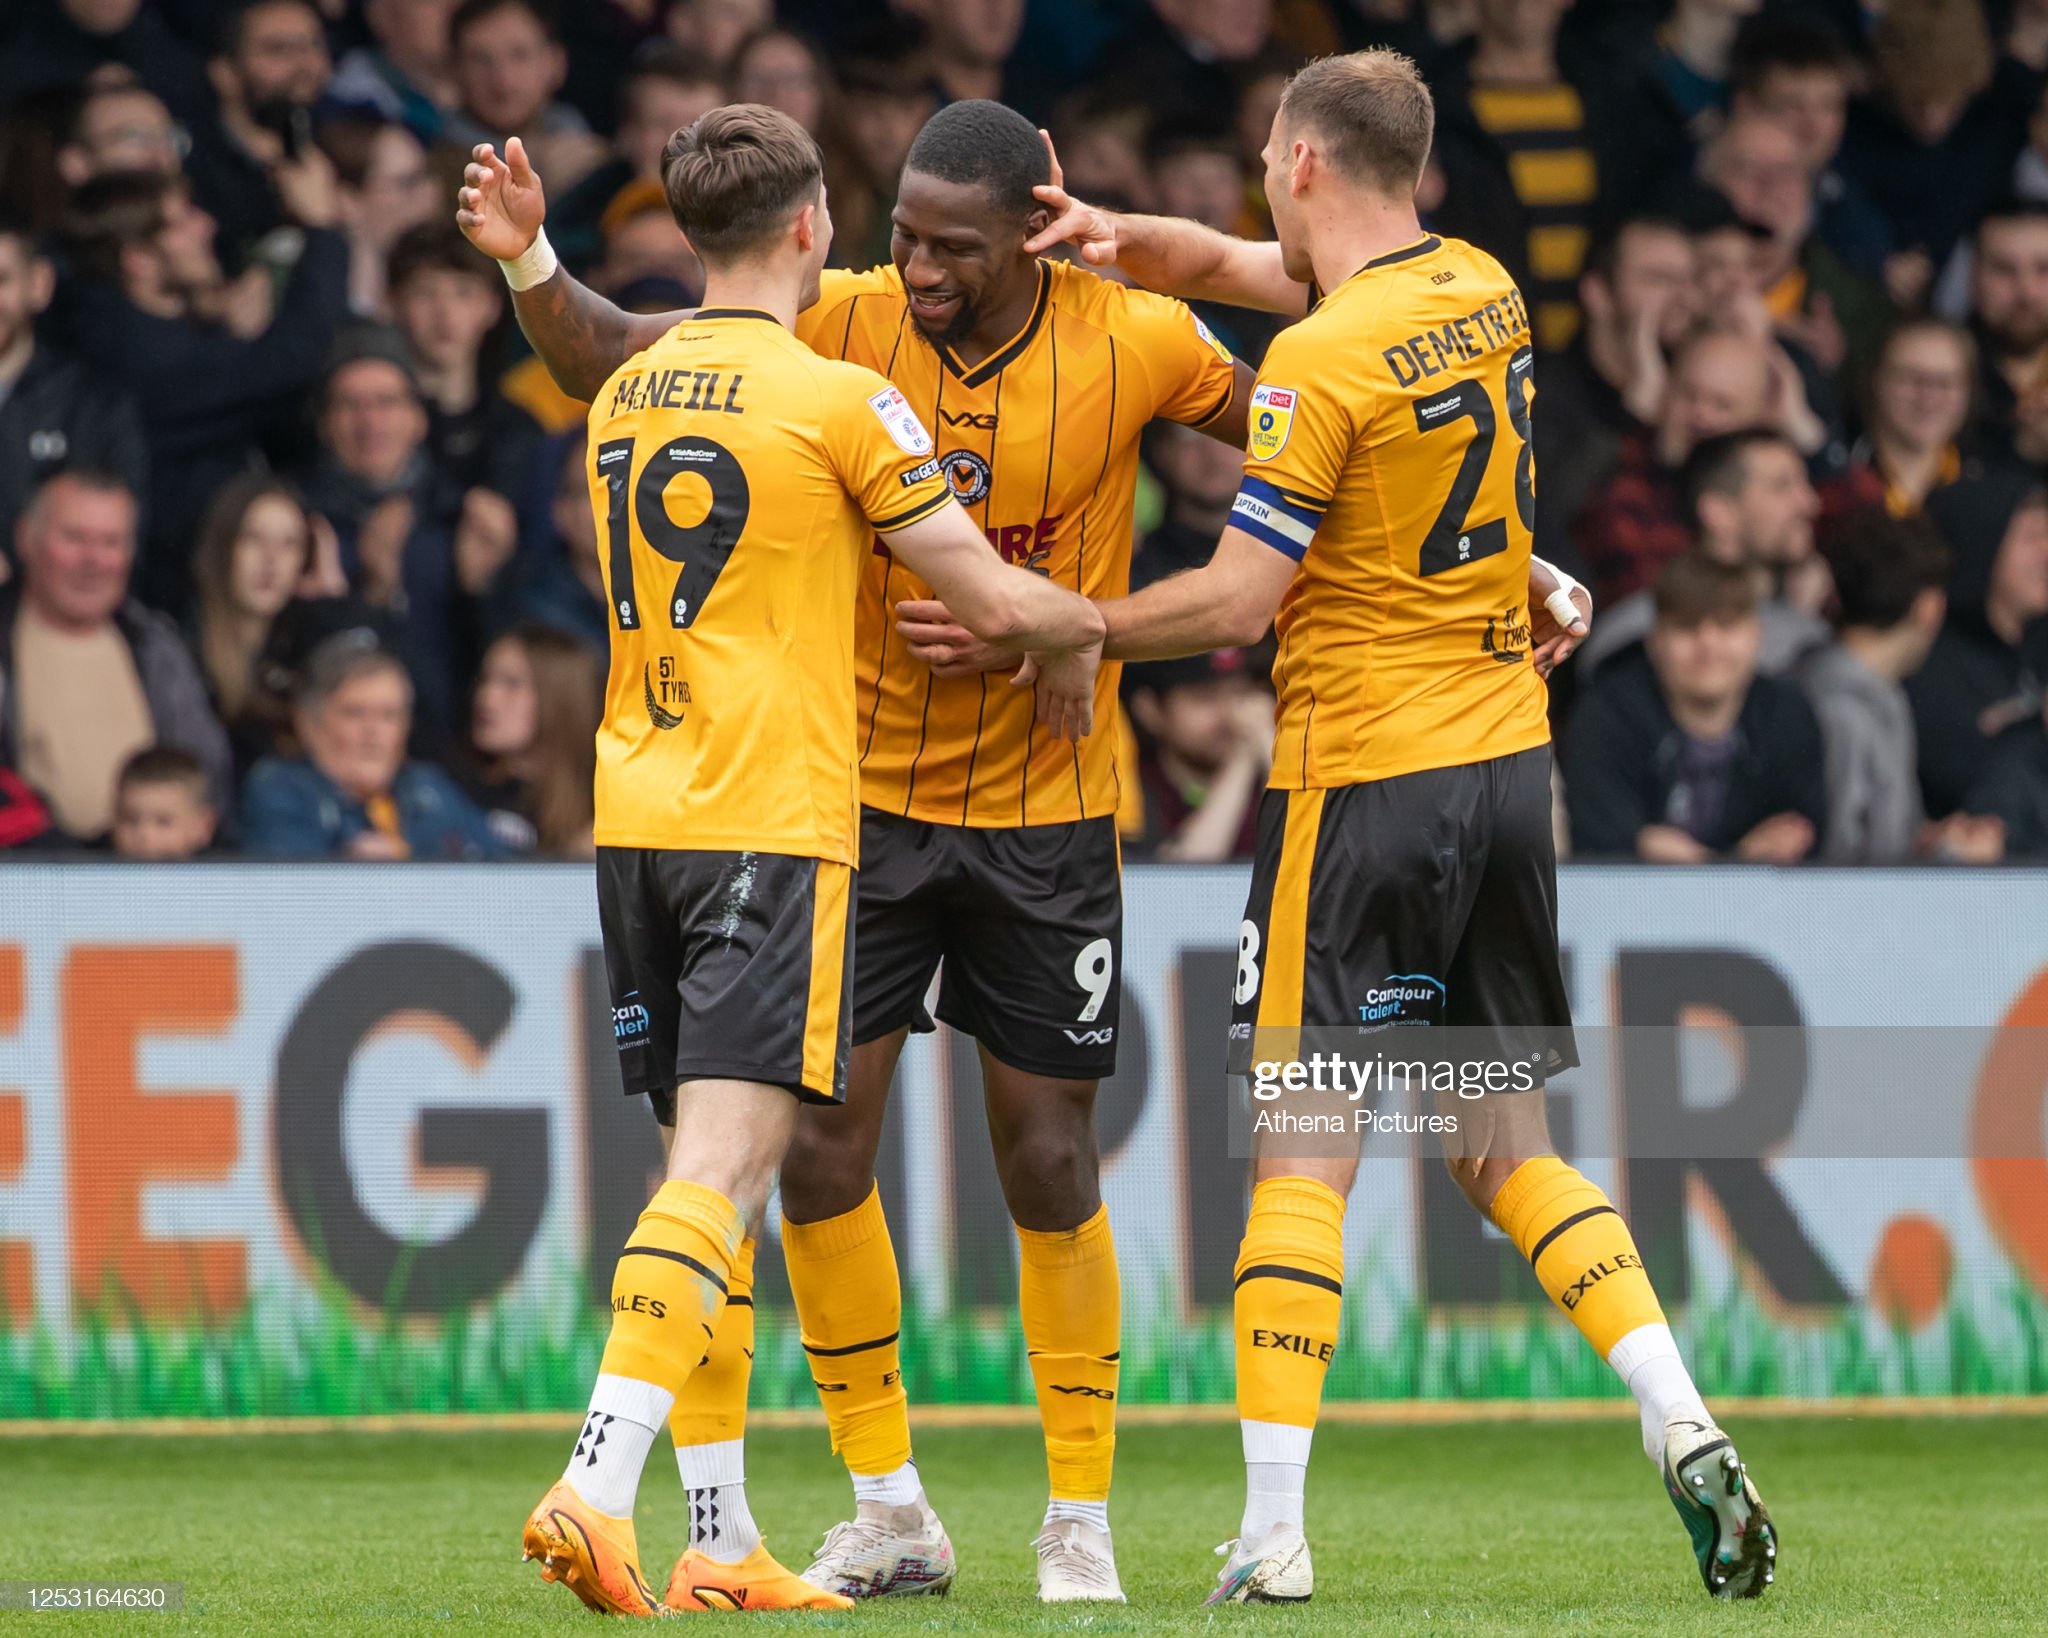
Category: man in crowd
[1207,722]
[1200,477]
[1889,573]
[88,676]
[403,75]
[1637,301]
[447,300]
[2009,313]
[53,412]
[509,67]
[969,43]
[1984,674]
[123,127]
[1685,754]
[149,311]
[1747,500]
[269,71]
[354,794]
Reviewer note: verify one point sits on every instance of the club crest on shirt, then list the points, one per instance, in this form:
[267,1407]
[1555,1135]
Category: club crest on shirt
[967,475]
[893,410]
[1272,416]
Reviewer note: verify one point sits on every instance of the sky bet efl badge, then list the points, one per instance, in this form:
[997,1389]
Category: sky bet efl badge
[1272,415]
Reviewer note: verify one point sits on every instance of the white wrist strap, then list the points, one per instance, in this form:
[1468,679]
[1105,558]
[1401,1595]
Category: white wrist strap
[1562,609]
[536,264]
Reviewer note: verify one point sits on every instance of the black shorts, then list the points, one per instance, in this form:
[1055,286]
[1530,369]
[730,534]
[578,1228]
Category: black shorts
[1428,898]
[726,966]
[1028,923]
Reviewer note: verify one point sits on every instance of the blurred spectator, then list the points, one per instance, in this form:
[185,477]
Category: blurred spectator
[120,128]
[1811,297]
[53,412]
[715,29]
[1200,477]
[639,240]
[2009,313]
[152,308]
[385,187]
[1748,503]
[1984,674]
[970,41]
[1935,143]
[1919,405]
[353,794]
[1100,133]
[1638,301]
[403,76]
[1698,47]
[2012,791]
[533,741]
[414,544]
[1685,754]
[885,96]
[447,300]
[663,92]
[1195,172]
[260,548]
[162,810]
[562,583]
[1187,55]
[782,69]
[33,131]
[1722,381]
[63,43]
[508,67]
[1534,151]
[1889,572]
[89,675]
[1206,725]
[270,70]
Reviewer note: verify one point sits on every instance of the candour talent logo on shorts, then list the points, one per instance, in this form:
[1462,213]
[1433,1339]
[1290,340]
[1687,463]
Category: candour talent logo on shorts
[630,1023]
[1403,998]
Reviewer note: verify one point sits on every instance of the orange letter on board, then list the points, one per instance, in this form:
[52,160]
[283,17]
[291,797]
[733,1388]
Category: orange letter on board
[123,1137]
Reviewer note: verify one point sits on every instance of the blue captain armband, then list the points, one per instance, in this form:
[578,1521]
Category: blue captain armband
[1285,522]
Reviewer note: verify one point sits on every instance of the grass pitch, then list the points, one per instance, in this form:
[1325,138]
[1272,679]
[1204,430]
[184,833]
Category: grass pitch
[1890,1526]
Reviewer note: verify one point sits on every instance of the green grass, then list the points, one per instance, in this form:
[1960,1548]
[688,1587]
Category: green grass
[1889,1527]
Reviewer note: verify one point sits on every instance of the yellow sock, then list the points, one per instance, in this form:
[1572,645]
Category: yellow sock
[849,1305]
[713,1408]
[1580,1248]
[1290,1299]
[670,1285]
[1071,1300]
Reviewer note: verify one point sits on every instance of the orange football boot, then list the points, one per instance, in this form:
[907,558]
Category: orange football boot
[593,1554]
[758,1582]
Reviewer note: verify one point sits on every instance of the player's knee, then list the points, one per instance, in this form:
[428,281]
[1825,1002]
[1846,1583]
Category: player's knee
[1479,1177]
[1049,1174]
[824,1174]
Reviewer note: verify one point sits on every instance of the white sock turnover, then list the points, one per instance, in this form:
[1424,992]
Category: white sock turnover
[1647,1359]
[612,1448]
[897,1489]
[715,1481]
[1276,1477]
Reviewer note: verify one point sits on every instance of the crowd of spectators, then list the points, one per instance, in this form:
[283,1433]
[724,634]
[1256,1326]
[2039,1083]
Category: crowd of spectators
[296,556]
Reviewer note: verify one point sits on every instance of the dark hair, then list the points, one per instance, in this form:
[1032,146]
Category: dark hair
[13,225]
[349,140]
[437,247]
[736,176]
[1172,138]
[1373,110]
[1604,261]
[1694,588]
[471,12]
[1882,564]
[112,212]
[1717,466]
[166,765]
[226,656]
[227,34]
[2011,208]
[670,63]
[984,143]
[1785,44]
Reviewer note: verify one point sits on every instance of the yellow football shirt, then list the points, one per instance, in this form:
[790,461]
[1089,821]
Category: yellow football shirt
[1039,441]
[739,482]
[1388,452]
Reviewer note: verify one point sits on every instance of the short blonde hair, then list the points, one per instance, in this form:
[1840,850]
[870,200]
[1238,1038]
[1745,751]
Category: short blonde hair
[1371,109]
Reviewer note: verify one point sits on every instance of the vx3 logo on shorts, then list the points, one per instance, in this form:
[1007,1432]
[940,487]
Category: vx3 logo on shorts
[1090,1037]
[1082,1388]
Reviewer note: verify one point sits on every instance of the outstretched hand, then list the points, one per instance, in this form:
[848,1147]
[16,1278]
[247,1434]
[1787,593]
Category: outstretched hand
[1092,232]
[501,204]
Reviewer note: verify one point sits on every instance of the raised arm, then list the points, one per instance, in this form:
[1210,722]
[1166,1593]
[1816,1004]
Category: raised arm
[1168,253]
[579,335]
